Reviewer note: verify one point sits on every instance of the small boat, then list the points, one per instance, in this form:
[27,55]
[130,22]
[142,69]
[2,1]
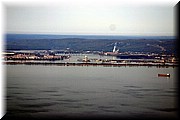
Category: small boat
[163,75]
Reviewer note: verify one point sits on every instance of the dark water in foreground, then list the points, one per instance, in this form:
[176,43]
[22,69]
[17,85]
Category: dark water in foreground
[87,91]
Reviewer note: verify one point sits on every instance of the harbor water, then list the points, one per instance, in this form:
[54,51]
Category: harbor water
[86,91]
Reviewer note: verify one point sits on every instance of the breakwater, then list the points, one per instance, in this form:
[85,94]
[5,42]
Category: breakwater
[91,64]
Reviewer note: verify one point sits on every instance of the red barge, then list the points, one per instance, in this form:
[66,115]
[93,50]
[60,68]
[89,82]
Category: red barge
[163,75]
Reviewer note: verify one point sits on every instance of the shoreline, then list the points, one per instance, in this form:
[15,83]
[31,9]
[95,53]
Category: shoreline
[91,64]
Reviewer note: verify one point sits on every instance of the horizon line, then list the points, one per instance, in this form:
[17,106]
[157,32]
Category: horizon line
[92,34]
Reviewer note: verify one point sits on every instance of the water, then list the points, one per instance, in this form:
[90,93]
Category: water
[38,91]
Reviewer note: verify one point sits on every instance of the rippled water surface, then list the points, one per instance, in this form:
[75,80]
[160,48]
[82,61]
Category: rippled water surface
[90,91]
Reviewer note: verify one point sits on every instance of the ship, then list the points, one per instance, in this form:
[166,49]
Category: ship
[164,75]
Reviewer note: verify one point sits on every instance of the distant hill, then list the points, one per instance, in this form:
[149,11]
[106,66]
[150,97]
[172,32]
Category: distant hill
[150,44]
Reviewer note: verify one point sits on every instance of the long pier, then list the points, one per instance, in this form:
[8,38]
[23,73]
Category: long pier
[90,64]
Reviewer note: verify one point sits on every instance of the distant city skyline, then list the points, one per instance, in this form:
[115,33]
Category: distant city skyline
[91,19]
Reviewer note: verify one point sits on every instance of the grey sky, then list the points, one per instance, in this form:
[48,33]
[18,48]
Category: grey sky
[114,19]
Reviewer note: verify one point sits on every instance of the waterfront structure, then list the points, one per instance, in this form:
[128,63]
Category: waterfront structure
[114,52]
[120,59]
[34,56]
[162,57]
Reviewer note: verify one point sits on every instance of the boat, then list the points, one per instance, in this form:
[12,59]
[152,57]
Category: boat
[164,75]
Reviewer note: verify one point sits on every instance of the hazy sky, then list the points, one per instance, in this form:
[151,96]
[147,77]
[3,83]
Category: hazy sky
[91,18]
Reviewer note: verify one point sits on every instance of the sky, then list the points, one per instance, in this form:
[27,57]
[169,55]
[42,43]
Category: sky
[91,18]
